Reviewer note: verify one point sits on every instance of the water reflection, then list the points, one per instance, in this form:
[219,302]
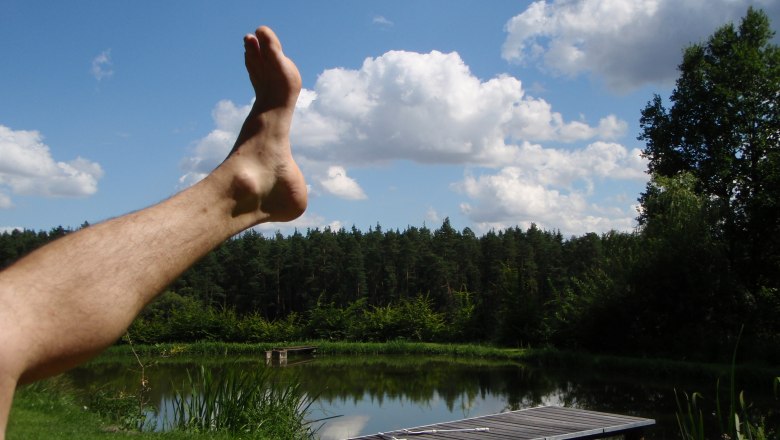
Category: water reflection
[382,393]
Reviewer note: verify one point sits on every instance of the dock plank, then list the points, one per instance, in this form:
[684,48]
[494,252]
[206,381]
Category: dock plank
[281,353]
[541,423]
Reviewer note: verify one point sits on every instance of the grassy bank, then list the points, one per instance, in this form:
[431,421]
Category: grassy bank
[234,405]
[541,357]
[44,411]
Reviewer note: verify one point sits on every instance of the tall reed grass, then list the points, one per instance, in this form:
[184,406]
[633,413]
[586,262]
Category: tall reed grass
[241,401]
[737,421]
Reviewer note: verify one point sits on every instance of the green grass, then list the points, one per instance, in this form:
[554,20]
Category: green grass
[37,415]
[171,350]
[33,421]
[43,414]
[541,357]
[49,410]
[66,421]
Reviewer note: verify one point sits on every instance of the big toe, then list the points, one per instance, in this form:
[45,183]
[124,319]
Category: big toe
[267,38]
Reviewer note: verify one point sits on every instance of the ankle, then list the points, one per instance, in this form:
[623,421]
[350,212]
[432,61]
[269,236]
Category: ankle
[258,191]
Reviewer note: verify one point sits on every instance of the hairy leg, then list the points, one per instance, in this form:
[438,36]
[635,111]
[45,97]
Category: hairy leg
[65,302]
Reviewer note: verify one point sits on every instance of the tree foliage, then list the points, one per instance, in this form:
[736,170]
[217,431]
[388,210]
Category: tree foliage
[705,260]
[723,129]
[711,213]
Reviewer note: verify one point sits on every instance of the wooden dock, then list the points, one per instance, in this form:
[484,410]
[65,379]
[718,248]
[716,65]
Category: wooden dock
[281,353]
[541,423]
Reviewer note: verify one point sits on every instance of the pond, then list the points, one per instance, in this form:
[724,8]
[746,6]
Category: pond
[366,395]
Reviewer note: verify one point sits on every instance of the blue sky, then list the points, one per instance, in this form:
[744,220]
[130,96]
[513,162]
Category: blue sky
[493,114]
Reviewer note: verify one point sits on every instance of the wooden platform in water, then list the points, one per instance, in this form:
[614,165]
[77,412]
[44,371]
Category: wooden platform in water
[281,353]
[542,423]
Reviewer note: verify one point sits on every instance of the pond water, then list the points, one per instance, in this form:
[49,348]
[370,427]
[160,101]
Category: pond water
[381,393]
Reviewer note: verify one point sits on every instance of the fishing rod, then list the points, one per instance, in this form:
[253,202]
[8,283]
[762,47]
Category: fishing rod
[432,431]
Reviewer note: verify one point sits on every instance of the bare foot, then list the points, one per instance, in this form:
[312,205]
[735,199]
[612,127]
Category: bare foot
[266,180]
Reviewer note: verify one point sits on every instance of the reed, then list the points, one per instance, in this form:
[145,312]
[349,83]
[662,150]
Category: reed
[241,402]
[734,421]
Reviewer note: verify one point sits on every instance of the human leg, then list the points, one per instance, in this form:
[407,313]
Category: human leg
[65,302]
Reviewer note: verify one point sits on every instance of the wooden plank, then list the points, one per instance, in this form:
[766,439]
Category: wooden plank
[297,348]
[611,423]
[582,413]
[503,427]
[557,426]
[541,423]
[280,353]
[498,429]
[615,423]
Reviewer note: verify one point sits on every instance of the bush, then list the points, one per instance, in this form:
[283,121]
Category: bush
[176,318]
[410,319]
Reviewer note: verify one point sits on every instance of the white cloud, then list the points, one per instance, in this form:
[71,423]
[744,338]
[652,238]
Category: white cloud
[308,220]
[382,21]
[211,150]
[27,168]
[553,188]
[102,66]
[5,201]
[513,197]
[432,216]
[563,168]
[339,184]
[628,43]
[427,108]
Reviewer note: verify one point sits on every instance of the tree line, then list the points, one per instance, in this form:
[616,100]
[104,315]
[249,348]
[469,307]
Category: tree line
[634,293]
[703,262]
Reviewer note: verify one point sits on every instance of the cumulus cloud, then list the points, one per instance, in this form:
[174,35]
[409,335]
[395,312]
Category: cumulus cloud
[5,201]
[102,66]
[563,168]
[339,184]
[432,215]
[628,43]
[427,108]
[308,220]
[513,197]
[27,168]
[212,149]
[553,188]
